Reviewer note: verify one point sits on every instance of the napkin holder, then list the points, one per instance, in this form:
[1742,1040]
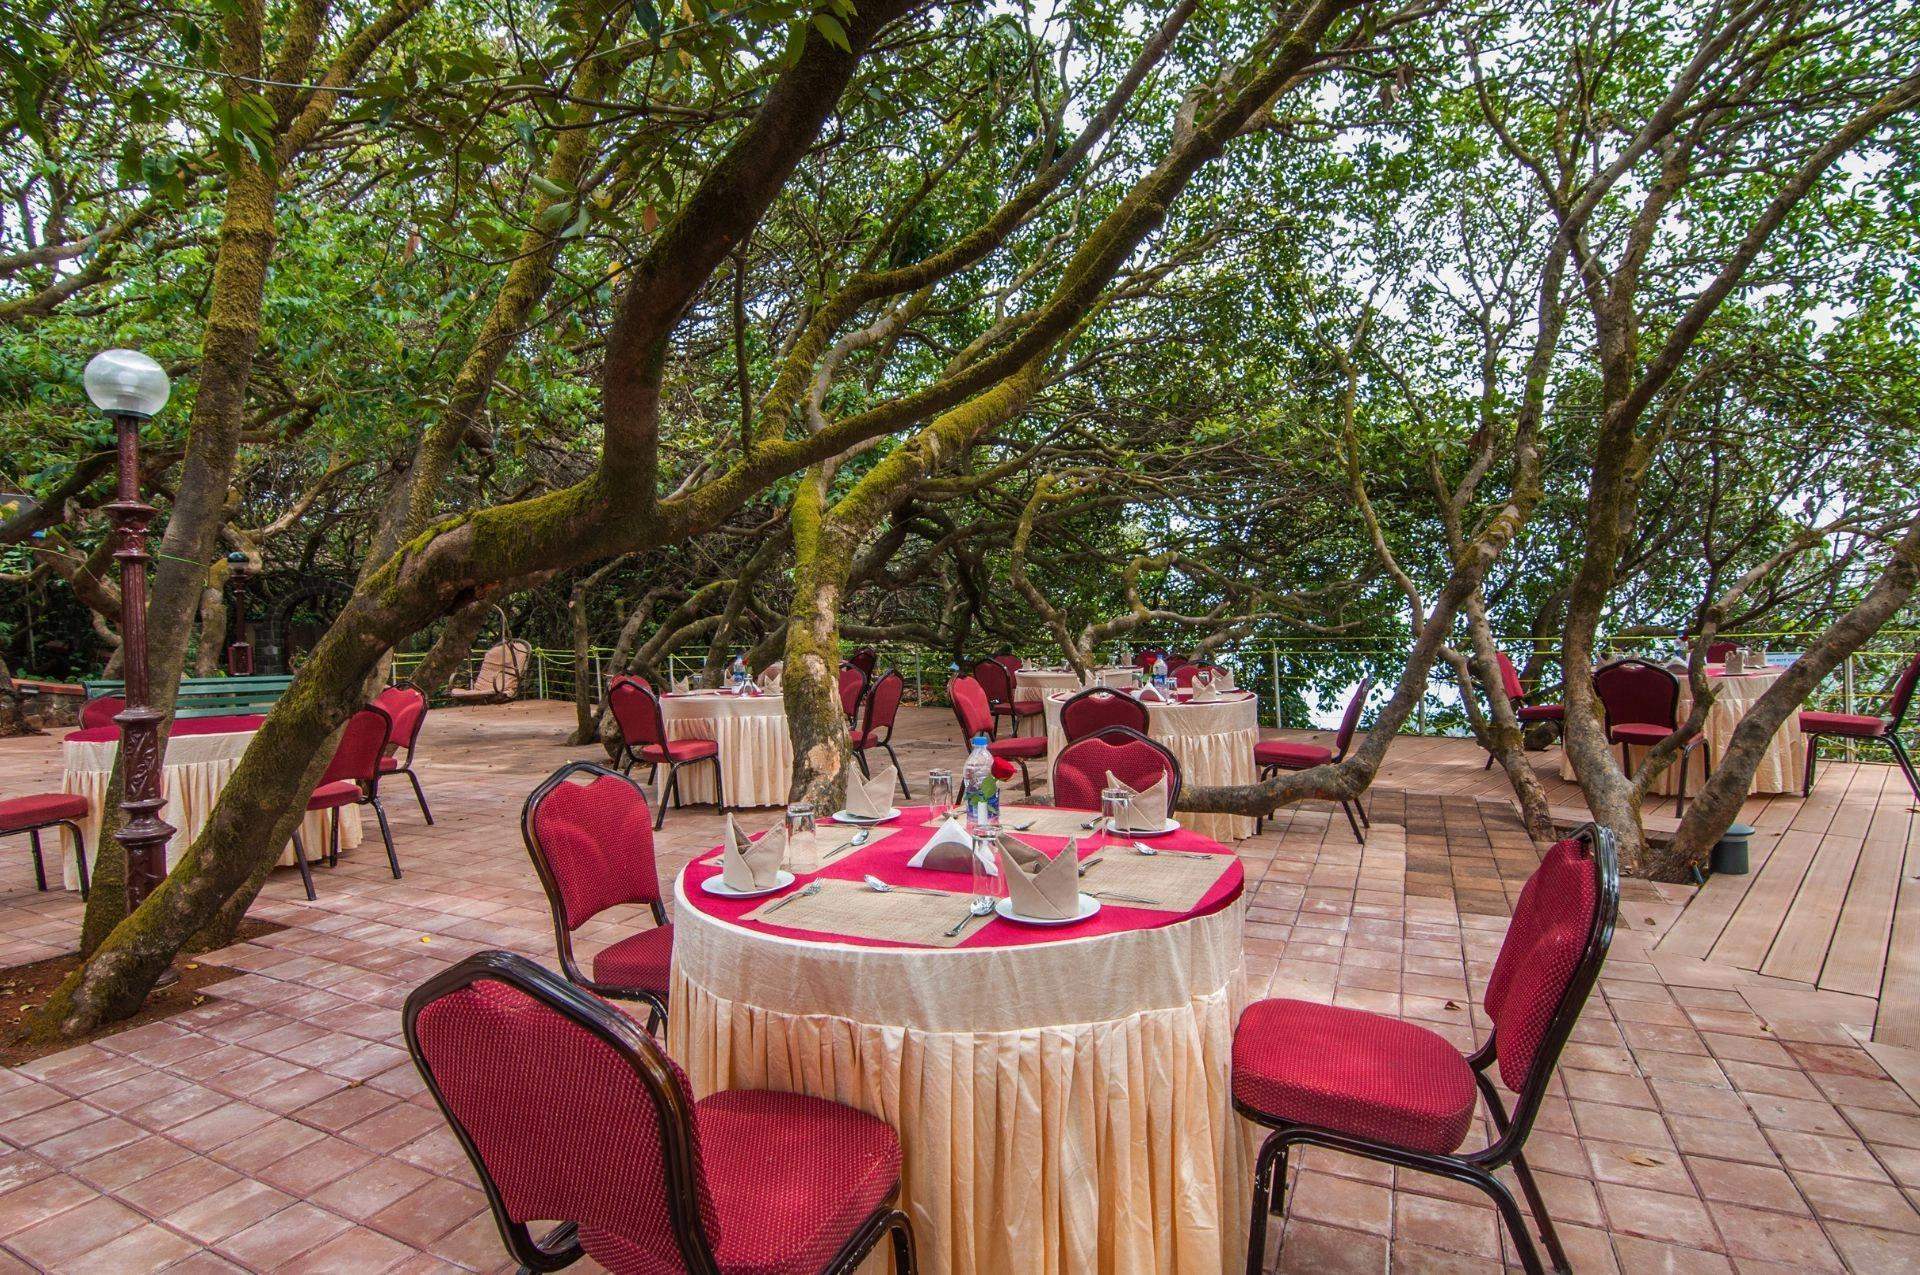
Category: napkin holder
[952,850]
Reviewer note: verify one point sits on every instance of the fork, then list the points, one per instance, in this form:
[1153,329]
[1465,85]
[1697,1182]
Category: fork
[1120,898]
[797,894]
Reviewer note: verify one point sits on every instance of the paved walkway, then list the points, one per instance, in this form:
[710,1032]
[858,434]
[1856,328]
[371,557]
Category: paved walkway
[1706,1119]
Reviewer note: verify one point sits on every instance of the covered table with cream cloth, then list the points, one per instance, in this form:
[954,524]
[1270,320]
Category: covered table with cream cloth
[1062,1095]
[756,757]
[1781,767]
[1213,742]
[202,754]
[1031,685]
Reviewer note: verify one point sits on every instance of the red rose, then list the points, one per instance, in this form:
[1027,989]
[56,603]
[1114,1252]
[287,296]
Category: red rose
[1002,768]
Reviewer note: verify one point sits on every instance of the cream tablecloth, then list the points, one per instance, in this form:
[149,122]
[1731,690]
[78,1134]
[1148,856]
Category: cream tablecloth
[1064,1108]
[196,769]
[1780,769]
[1032,685]
[1213,743]
[756,757]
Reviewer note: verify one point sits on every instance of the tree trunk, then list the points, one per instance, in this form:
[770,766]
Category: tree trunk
[209,658]
[810,676]
[13,714]
[452,647]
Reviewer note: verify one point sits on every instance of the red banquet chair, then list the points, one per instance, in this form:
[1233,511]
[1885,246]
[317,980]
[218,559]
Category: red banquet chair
[976,718]
[1143,660]
[1275,755]
[352,778]
[1010,662]
[101,710]
[1642,702]
[570,1113]
[407,706]
[1875,730]
[866,659]
[1188,670]
[1088,711]
[1523,712]
[1717,652]
[997,681]
[1080,771]
[590,835]
[853,689]
[879,707]
[1378,1087]
[47,810]
[643,737]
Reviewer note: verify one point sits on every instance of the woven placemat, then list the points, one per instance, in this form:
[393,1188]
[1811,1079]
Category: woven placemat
[832,841]
[1176,881]
[849,908]
[1047,822]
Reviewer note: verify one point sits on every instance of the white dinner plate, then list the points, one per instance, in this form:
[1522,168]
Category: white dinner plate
[1172,825]
[841,816]
[1088,906]
[719,886]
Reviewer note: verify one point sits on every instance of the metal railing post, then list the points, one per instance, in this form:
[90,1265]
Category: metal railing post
[540,672]
[1846,700]
[1273,664]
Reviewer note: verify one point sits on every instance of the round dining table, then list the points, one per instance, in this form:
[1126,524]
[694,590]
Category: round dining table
[1031,685]
[1212,740]
[1061,1092]
[202,754]
[1781,767]
[756,757]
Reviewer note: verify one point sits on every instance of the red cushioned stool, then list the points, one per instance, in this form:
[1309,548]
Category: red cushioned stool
[587,829]
[1374,1086]
[571,1113]
[47,810]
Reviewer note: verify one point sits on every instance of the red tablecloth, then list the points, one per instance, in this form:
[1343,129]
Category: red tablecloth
[886,857]
[185,726]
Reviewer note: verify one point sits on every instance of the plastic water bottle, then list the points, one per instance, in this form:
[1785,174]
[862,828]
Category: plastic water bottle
[740,678]
[1160,671]
[980,790]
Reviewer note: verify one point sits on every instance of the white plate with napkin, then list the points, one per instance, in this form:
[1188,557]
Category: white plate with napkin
[749,868]
[870,800]
[1042,891]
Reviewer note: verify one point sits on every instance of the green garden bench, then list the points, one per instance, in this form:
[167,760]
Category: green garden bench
[213,696]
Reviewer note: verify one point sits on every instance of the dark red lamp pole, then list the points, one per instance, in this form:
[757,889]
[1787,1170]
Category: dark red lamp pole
[130,387]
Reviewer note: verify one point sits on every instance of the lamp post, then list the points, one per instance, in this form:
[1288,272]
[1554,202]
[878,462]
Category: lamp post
[130,387]
[239,651]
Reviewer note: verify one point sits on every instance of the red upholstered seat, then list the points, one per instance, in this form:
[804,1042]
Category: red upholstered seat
[1019,746]
[1290,756]
[1854,724]
[390,762]
[1542,712]
[1638,733]
[639,961]
[341,792]
[679,750]
[1019,708]
[20,813]
[791,1177]
[1352,1072]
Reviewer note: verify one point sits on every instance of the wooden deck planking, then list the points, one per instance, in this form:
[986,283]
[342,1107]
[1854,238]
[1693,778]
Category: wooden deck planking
[1898,1019]
[1857,956]
[1750,933]
[1799,947]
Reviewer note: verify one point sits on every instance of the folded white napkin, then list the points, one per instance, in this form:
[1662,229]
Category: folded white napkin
[680,686]
[752,865]
[1148,810]
[769,678]
[1048,889]
[1152,695]
[951,850]
[1204,692]
[871,798]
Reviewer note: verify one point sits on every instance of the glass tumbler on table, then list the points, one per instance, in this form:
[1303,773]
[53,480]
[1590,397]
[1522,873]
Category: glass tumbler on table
[983,883]
[1116,811]
[803,841]
[940,793]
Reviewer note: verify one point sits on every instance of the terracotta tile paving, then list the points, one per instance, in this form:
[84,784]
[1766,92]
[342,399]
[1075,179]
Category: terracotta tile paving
[1702,1119]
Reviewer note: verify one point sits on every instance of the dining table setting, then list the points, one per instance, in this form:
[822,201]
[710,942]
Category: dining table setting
[755,758]
[1043,1006]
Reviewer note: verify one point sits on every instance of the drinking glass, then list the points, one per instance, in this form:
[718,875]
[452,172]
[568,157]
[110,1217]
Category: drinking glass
[803,841]
[940,792]
[1116,811]
[984,884]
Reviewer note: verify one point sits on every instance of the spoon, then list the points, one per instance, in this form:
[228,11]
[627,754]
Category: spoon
[1149,851]
[979,907]
[859,839]
[1090,864]
[881,887]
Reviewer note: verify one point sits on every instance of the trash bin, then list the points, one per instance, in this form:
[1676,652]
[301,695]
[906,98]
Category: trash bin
[1730,852]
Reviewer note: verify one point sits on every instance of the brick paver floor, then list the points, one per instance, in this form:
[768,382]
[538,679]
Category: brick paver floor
[1694,1126]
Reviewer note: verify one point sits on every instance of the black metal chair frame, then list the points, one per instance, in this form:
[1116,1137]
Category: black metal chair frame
[369,796]
[672,789]
[39,865]
[419,723]
[561,1246]
[1117,734]
[1673,715]
[1349,806]
[866,735]
[1102,694]
[1477,1168]
[1889,735]
[563,937]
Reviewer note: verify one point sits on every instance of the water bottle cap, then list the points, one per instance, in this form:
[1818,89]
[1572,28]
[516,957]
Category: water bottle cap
[979,741]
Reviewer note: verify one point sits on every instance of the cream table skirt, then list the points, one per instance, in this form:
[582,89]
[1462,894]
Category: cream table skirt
[1213,743]
[1031,685]
[756,757]
[196,769]
[1781,768]
[1064,1108]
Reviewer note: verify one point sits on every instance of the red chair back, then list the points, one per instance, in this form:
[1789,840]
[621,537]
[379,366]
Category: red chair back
[1637,691]
[995,681]
[407,706]
[636,710]
[1902,694]
[1555,944]
[1717,652]
[853,685]
[590,834]
[362,744]
[1184,675]
[1096,707]
[1080,772]
[1350,720]
[102,711]
[568,1111]
[1177,662]
[970,707]
[1509,677]
[630,677]
[883,703]
[1011,663]
[866,659]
